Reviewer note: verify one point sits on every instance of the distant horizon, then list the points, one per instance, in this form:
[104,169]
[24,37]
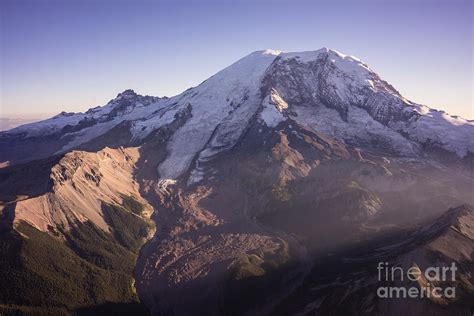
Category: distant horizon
[72,56]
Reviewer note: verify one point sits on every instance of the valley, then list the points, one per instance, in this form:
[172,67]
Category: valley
[272,188]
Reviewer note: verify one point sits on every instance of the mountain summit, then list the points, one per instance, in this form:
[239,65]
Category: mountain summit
[324,90]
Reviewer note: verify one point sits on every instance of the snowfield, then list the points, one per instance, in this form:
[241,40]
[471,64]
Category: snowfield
[323,90]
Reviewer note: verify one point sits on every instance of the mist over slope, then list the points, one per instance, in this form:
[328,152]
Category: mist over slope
[257,180]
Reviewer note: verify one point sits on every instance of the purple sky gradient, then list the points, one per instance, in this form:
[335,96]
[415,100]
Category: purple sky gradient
[73,55]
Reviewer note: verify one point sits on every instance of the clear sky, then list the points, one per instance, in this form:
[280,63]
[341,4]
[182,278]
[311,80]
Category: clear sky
[72,55]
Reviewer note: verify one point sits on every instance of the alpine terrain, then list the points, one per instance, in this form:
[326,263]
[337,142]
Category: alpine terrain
[275,187]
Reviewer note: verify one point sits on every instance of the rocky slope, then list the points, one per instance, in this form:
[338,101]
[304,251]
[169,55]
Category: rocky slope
[70,234]
[277,198]
[78,185]
[350,280]
[250,177]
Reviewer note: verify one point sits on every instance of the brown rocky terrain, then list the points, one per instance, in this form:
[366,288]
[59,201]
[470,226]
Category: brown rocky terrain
[274,187]
[350,280]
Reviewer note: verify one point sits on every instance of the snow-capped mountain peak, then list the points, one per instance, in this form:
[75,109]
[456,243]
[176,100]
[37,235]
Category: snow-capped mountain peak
[323,90]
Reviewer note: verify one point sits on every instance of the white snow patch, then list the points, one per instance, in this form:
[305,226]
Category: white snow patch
[270,114]
[360,126]
[229,98]
[272,52]
[164,183]
[451,133]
